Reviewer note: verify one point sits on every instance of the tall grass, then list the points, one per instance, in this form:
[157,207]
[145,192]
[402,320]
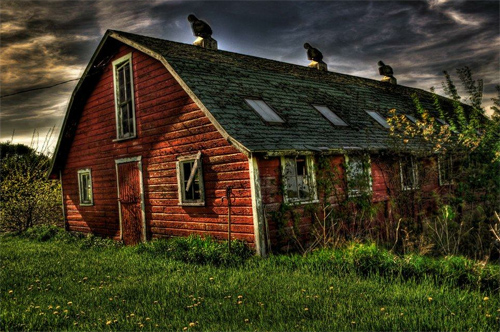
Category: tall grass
[57,285]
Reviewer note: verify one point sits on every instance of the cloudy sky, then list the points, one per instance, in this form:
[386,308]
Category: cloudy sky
[43,43]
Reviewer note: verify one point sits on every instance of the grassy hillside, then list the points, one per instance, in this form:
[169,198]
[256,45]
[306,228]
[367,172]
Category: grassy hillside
[57,285]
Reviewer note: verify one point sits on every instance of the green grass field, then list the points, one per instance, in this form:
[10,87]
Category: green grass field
[59,286]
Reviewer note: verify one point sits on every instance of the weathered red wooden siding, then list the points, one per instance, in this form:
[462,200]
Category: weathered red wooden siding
[384,173]
[169,125]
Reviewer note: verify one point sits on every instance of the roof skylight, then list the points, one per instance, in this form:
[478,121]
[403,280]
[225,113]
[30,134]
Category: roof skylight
[330,115]
[266,112]
[379,118]
[411,118]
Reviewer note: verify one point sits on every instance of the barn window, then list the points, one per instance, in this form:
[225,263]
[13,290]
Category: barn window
[359,179]
[124,97]
[265,112]
[379,118]
[330,115]
[85,187]
[190,180]
[409,173]
[298,179]
[447,167]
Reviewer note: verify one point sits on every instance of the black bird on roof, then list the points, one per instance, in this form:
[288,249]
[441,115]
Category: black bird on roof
[200,28]
[313,53]
[384,69]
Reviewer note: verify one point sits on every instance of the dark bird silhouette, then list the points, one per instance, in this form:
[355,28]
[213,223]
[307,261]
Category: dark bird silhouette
[313,53]
[384,69]
[200,28]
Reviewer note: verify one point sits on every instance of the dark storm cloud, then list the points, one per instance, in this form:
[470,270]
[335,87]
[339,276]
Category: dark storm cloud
[47,42]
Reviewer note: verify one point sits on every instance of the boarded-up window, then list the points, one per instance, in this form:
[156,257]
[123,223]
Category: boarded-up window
[298,178]
[190,180]
[85,187]
[124,97]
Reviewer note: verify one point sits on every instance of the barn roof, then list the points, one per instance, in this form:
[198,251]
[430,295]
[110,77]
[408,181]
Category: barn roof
[222,80]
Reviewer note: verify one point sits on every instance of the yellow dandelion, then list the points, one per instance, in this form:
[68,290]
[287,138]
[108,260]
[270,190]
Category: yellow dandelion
[488,315]
[56,312]
[353,322]
[429,299]
[211,279]
[75,323]
[401,314]
[239,302]
[58,307]
[148,319]
[306,309]
[141,325]
[155,302]
[108,322]
[240,296]
[382,309]
[111,299]
[185,328]
[65,311]
[156,325]
[486,298]
[85,278]
[247,320]
[132,315]
[331,287]
[192,324]
[50,307]
[11,291]
[70,303]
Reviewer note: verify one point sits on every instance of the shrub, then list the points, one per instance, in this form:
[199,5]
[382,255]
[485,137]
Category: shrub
[197,250]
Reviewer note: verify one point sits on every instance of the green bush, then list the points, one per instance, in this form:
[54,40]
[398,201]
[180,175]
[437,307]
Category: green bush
[197,250]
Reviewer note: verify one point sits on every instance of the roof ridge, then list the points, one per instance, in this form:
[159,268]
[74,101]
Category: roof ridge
[307,71]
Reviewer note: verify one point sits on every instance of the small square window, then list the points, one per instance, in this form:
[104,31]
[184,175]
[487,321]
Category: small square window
[330,115]
[265,112]
[298,178]
[124,97]
[409,173]
[85,187]
[358,175]
[190,181]
[379,118]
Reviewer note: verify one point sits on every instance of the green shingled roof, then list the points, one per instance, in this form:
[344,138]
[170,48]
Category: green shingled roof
[222,80]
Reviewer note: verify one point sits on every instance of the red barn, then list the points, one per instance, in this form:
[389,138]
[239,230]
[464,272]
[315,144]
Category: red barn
[156,131]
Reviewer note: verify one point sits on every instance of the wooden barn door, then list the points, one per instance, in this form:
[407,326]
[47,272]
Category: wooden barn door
[131,200]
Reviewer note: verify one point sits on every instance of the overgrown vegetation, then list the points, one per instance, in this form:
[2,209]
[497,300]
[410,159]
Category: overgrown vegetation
[442,181]
[362,287]
[28,198]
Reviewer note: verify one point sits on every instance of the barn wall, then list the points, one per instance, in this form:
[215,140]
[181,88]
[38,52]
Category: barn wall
[385,184]
[169,125]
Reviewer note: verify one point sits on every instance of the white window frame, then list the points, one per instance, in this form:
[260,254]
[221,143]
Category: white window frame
[448,159]
[81,173]
[311,178]
[117,64]
[414,173]
[330,115]
[367,165]
[259,106]
[197,159]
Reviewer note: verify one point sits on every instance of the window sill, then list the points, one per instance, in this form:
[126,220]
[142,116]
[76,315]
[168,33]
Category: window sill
[86,204]
[124,139]
[192,204]
[300,202]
